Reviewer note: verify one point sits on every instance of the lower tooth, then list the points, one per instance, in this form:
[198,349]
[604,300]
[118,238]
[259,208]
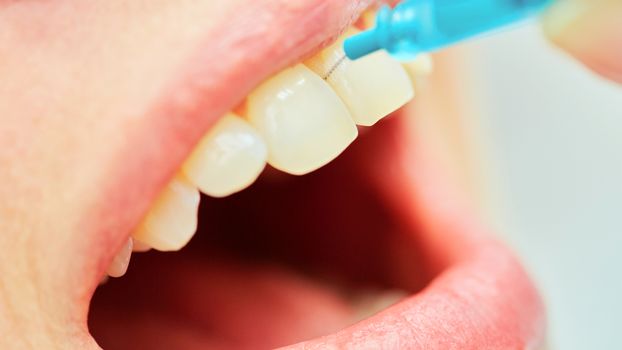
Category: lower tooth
[371,87]
[121,261]
[228,159]
[172,221]
[302,120]
[374,302]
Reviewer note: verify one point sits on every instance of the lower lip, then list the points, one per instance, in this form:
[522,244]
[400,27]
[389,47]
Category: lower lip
[480,297]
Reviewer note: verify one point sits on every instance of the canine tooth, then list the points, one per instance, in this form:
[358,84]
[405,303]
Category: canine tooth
[302,120]
[371,87]
[121,261]
[228,159]
[172,220]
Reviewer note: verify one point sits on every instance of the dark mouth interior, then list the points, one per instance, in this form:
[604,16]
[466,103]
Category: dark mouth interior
[286,260]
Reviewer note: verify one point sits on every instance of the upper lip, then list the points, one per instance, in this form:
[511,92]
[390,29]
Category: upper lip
[481,297]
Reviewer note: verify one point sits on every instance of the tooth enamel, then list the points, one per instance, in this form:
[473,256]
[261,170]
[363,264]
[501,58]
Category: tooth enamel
[371,302]
[368,18]
[418,68]
[140,246]
[121,261]
[172,220]
[228,159]
[302,120]
[371,87]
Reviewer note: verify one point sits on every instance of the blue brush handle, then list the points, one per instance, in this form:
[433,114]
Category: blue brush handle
[416,26]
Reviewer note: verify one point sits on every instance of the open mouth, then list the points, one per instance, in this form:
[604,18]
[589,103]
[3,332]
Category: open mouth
[333,258]
[286,260]
[370,250]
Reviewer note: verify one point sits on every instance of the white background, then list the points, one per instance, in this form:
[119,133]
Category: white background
[553,137]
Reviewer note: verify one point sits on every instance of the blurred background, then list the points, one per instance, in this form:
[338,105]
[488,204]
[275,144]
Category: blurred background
[552,132]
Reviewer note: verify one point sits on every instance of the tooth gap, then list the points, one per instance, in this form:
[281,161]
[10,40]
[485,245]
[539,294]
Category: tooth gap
[334,67]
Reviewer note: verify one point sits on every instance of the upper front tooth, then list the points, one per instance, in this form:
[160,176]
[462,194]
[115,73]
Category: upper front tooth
[303,121]
[228,159]
[172,220]
[372,86]
[419,68]
[139,246]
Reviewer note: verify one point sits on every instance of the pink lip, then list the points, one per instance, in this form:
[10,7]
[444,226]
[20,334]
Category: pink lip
[480,297]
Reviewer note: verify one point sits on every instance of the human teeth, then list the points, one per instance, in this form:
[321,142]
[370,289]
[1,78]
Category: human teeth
[172,220]
[371,302]
[228,159]
[121,261]
[371,87]
[140,246]
[368,18]
[419,68]
[302,120]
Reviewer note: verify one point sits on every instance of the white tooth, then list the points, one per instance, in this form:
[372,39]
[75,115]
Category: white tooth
[368,19]
[121,261]
[303,121]
[172,220]
[371,87]
[371,302]
[419,68]
[228,159]
[140,246]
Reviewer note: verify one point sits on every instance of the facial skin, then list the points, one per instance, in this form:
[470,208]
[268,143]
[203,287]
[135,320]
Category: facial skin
[90,92]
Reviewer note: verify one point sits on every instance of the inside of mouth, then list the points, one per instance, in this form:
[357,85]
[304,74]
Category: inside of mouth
[288,259]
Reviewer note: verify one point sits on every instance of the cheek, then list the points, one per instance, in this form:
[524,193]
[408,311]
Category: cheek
[77,80]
